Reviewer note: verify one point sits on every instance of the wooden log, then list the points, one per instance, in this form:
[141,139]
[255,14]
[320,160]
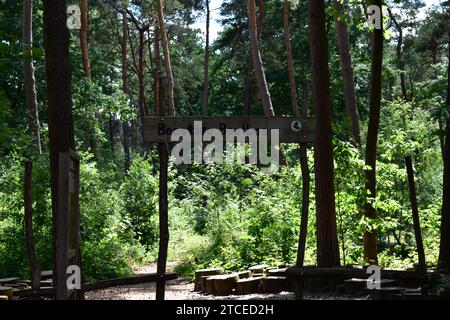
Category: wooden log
[6,291]
[19,285]
[244,274]
[8,280]
[210,288]
[225,284]
[388,293]
[203,283]
[204,272]
[273,284]
[276,272]
[249,285]
[259,269]
[47,275]
[135,279]
[357,285]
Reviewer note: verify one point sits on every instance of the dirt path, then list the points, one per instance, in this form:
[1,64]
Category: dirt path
[179,289]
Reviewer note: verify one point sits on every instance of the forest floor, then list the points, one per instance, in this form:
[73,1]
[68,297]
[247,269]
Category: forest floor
[183,289]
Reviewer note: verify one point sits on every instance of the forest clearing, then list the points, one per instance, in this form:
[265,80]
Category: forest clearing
[224,150]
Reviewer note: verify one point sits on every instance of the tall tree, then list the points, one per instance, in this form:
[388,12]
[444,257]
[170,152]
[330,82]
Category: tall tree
[327,241]
[125,85]
[59,92]
[166,53]
[206,67]
[370,239]
[444,251]
[29,79]
[164,161]
[84,9]
[257,60]
[347,70]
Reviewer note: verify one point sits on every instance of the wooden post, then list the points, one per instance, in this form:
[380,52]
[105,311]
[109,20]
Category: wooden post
[415,213]
[31,250]
[163,220]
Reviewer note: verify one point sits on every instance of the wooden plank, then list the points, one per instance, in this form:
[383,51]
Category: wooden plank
[159,129]
[8,280]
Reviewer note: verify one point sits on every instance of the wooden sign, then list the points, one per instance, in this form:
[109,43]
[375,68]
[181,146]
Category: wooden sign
[291,129]
[68,241]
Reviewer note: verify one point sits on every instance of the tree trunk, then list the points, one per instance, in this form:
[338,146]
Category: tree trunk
[257,61]
[29,79]
[168,64]
[206,71]
[164,163]
[327,242]
[347,71]
[400,64]
[35,270]
[290,60]
[415,212]
[370,239]
[59,100]
[444,251]
[126,89]
[84,8]
[157,74]
[305,187]
[141,74]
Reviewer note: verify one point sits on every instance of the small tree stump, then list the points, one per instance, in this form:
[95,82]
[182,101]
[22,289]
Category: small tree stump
[259,269]
[248,286]
[204,272]
[6,291]
[273,284]
[225,284]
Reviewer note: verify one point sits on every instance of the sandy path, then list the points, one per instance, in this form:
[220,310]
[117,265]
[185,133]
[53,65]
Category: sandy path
[179,289]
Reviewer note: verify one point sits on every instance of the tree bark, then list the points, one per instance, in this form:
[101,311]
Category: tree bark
[157,73]
[167,63]
[370,238]
[305,187]
[206,70]
[35,270]
[84,8]
[347,72]
[415,213]
[125,89]
[290,59]
[29,79]
[164,163]
[59,100]
[257,61]
[327,241]
[444,251]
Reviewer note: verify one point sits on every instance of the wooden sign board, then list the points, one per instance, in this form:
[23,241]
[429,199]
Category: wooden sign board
[292,129]
[68,252]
